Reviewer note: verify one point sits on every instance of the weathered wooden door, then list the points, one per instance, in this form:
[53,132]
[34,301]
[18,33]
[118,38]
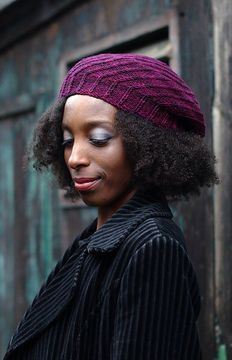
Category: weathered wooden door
[36,223]
[27,249]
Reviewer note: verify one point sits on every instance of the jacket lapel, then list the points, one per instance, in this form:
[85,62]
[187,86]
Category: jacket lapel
[50,301]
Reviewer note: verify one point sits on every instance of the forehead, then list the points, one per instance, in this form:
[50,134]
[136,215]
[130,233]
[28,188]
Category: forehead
[84,108]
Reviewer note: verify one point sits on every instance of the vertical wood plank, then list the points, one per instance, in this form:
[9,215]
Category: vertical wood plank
[195,20]
[222,112]
[7,216]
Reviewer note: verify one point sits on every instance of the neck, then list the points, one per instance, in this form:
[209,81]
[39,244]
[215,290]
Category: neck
[106,212]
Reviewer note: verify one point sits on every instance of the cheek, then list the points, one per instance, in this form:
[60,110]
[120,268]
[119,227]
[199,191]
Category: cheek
[120,168]
[67,154]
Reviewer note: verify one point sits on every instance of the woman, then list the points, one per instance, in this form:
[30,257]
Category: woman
[125,133]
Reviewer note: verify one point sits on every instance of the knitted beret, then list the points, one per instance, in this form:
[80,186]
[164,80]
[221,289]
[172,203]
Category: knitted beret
[137,84]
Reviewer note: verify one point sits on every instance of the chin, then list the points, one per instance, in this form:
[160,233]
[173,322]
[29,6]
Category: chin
[89,199]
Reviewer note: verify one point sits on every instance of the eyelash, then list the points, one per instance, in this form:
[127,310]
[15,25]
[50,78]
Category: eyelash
[99,142]
[96,142]
[67,143]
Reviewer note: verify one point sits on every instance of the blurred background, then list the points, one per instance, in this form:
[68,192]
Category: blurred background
[39,42]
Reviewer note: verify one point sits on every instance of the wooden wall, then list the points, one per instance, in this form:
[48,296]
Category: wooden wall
[36,224]
[222,116]
[197,70]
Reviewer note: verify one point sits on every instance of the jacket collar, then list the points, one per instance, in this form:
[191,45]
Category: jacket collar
[105,240]
[141,206]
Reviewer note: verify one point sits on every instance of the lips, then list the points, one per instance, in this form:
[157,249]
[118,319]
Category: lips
[86,183]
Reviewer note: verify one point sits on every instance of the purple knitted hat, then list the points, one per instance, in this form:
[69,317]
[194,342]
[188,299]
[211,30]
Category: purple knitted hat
[137,84]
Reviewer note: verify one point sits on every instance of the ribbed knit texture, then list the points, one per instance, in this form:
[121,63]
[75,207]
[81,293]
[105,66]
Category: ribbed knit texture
[133,295]
[138,84]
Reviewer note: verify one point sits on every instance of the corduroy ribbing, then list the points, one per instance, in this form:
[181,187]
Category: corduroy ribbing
[135,295]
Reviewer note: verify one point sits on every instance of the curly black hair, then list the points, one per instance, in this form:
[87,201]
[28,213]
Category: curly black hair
[177,162]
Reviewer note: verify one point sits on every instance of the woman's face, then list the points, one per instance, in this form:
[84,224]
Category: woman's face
[94,153]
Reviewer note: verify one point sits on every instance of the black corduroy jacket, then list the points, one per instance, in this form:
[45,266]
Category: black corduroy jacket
[127,291]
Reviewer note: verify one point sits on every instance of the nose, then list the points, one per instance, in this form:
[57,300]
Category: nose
[77,156]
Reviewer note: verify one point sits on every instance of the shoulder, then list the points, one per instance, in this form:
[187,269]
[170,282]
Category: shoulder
[158,244]
[159,247]
[159,250]
[157,230]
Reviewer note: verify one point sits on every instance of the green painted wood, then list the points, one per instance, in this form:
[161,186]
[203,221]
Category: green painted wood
[7,216]
[32,210]
[27,239]
[222,354]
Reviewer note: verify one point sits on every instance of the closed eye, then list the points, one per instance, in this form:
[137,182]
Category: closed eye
[100,141]
[67,142]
